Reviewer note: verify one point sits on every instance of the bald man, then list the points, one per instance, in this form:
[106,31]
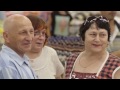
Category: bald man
[18,34]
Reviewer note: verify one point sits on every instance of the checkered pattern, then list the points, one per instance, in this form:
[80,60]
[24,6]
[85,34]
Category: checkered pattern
[106,73]
[112,63]
[70,61]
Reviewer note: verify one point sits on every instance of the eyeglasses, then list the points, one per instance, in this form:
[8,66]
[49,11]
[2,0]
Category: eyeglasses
[40,33]
[96,18]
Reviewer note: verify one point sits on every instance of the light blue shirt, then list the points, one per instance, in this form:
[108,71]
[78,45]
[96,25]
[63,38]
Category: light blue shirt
[12,66]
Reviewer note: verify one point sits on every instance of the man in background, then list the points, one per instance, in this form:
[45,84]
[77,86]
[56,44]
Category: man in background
[114,21]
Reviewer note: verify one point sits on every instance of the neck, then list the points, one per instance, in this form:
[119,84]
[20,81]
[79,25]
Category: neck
[94,56]
[33,55]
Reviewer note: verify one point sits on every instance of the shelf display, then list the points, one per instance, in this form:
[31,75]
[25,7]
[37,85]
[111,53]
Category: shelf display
[65,46]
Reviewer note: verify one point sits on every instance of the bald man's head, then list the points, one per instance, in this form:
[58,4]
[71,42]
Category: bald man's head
[14,21]
[18,33]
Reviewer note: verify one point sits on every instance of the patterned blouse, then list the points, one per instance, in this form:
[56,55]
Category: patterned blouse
[105,72]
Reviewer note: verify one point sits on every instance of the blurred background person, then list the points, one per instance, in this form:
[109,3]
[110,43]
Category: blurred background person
[114,21]
[36,13]
[44,60]
[59,22]
[40,14]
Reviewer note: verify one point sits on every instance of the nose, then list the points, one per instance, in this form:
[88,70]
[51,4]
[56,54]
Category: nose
[97,38]
[29,36]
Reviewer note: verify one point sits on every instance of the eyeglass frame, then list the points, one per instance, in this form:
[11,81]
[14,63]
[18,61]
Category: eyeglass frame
[40,33]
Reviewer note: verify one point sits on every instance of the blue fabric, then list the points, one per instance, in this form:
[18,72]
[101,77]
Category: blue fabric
[12,66]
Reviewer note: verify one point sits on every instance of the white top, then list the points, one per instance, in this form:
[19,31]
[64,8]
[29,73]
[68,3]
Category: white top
[47,65]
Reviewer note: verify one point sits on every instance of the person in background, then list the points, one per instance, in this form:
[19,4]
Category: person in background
[36,13]
[114,21]
[18,34]
[43,59]
[59,22]
[40,14]
[95,62]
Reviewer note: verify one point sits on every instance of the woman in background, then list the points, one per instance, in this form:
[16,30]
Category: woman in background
[44,60]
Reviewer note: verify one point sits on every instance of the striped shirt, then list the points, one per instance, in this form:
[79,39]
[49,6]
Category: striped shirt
[12,66]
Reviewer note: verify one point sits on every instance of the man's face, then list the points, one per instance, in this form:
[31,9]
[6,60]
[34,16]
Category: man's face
[21,35]
[108,14]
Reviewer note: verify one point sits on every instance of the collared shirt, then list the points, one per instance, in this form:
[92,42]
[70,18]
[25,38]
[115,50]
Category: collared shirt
[12,66]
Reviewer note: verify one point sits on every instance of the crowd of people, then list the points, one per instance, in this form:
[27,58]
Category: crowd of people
[27,54]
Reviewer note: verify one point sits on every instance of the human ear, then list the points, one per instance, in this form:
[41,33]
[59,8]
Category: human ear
[5,36]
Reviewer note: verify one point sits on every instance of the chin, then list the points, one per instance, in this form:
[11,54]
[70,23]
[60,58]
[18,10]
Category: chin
[96,51]
[38,48]
[27,49]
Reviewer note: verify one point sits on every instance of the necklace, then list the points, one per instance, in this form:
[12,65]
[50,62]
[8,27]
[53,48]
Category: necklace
[87,65]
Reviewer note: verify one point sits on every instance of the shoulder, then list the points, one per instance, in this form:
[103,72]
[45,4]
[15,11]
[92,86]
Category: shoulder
[8,72]
[113,61]
[114,58]
[50,49]
[72,57]
[6,61]
[6,64]
[116,73]
[116,61]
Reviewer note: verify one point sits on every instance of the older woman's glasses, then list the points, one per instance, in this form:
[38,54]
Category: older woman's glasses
[96,18]
[40,33]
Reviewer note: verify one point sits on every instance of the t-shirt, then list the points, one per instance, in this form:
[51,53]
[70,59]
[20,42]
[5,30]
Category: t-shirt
[47,65]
